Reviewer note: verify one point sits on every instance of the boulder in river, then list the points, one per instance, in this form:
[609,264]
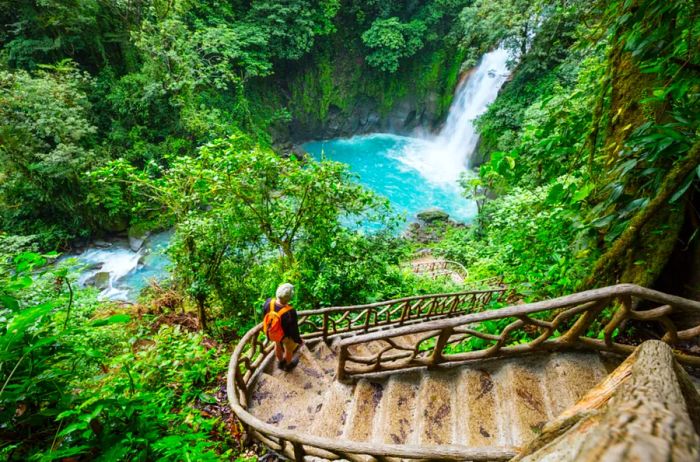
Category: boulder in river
[99,280]
[432,215]
[137,236]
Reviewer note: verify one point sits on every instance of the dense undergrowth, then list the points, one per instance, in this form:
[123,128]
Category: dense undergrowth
[592,152]
[119,116]
[82,378]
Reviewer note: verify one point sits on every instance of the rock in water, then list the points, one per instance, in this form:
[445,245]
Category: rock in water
[137,236]
[432,215]
[99,280]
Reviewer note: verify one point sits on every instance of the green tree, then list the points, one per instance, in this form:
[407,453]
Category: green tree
[390,40]
[291,26]
[238,205]
[47,141]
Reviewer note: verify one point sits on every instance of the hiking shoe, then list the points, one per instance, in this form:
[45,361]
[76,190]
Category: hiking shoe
[292,364]
[282,365]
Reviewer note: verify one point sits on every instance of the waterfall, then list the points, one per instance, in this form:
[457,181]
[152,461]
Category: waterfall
[442,159]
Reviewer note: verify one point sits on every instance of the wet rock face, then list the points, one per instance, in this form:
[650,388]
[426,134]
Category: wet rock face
[365,116]
[432,215]
[137,236]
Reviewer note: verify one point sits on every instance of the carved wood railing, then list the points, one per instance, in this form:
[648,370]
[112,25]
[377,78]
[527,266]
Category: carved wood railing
[253,351]
[650,388]
[336,321]
[440,267]
[588,320]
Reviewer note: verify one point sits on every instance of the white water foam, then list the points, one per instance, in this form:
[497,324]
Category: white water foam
[118,262]
[442,159]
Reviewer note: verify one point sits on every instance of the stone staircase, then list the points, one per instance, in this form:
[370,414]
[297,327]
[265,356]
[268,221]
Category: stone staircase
[493,404]
[387,381]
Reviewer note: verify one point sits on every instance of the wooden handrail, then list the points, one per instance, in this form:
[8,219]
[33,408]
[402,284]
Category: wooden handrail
[575,314]
[335,321]
[648,386]
[338,309]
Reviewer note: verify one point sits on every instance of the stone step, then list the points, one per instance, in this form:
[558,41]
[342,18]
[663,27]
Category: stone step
[307,375]
[330,421]
[497,403]
[325,357]
[478,416]
[435,416]
[568,377]
[280,403]
[397,421]
[361,349]
[365,405]
[519,388]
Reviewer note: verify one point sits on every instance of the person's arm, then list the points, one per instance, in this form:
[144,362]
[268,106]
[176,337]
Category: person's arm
[266,307]
[292,329]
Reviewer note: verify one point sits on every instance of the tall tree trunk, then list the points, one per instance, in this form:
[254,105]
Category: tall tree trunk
[202,313]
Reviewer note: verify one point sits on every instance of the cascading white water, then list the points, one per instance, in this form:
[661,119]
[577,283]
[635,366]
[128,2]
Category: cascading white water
[117,263]
[120,272]
[441,160]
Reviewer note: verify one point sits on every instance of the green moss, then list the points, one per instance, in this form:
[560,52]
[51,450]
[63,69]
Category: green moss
[341,80]
[657,240]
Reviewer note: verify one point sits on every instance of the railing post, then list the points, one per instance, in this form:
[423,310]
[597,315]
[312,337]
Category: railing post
[620,314]
[342,357]
[584,321]
[325,327]
[436,358]
[298,452]
[404,312]
[455,302]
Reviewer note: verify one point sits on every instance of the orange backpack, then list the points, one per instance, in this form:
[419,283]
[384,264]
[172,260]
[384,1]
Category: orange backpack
[272,322]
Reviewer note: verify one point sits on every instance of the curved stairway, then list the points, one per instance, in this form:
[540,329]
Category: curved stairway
[443,377]
[502,403]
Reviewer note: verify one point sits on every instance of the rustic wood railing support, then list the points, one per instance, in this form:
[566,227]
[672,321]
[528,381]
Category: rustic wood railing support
[342,358]
[298,452]
[324,327]
[436,357]
[581,325]
[405,310]
[567,324]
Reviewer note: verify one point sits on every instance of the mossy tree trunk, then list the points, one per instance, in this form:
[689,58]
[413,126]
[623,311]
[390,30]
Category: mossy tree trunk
[613,262]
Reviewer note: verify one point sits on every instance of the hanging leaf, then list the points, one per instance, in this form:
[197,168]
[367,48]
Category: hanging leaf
[603,222]
[635,205]
[555,194]
[582,193]
[682,189]
[9,302]
[116,319]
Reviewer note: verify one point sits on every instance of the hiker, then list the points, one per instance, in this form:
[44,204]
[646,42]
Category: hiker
[280,326]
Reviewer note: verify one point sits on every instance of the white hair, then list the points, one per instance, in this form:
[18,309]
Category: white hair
[285,292]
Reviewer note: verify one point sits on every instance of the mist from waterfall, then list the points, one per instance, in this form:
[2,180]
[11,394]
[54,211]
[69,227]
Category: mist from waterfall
[443,158]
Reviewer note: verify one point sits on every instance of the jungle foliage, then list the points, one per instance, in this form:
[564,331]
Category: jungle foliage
[595,146]
[148,114]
